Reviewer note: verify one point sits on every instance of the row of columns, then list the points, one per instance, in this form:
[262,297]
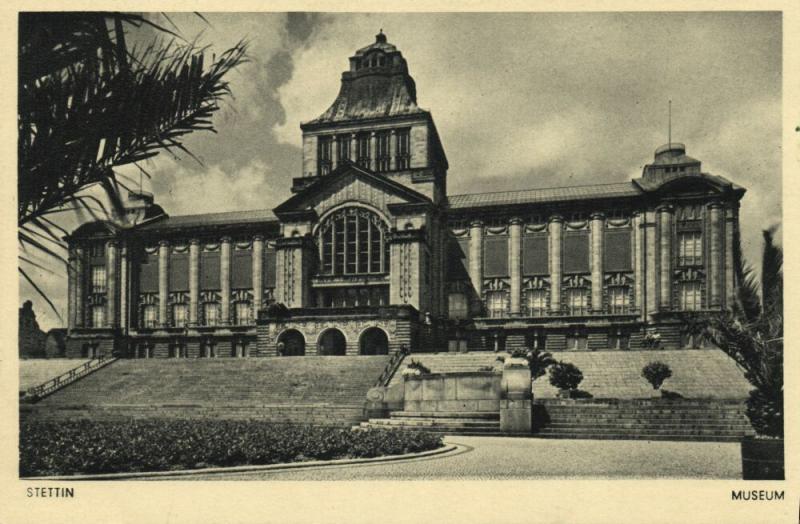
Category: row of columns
[373,150]
[654,253]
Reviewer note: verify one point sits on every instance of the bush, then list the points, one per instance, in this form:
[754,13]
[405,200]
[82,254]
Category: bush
[656,373]
[86,446]
[564,375]
[538,362]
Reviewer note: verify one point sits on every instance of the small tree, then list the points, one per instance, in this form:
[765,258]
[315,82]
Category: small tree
[538,362]
[656,373]
[564,375]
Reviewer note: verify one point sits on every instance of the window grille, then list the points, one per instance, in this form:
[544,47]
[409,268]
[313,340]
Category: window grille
[211,313]
[577,300]
[98,279]
[497,304]
[690,296]
[352,242]
[149,316]
[618,299]
[324,155]
[243,313]
[536,302]
[690,248]
[180,314]
[98,316]
[382,151]
[403,159]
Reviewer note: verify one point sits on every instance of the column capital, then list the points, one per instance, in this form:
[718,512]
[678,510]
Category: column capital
[515,221]
[715,204]
[665,208]
[258,238]
[597,215]
[194,242]
[225,240]
[163,243]
[393,131]
[555,218]
[475,223]
[112,242]
[372,134]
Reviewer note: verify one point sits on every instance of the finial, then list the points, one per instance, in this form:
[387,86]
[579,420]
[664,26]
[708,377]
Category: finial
[380,37]
[669,125]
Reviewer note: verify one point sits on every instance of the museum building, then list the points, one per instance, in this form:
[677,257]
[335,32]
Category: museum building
[371,255]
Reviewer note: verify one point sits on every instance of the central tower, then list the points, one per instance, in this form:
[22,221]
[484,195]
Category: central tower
[375,122]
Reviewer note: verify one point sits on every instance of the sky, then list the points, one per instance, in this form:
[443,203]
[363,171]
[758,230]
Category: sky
[520,100]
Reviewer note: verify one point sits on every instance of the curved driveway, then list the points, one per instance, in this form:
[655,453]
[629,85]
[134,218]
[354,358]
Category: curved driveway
[495,458]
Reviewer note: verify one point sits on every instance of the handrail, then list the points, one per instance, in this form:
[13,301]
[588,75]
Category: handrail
[68,377]
[391,367]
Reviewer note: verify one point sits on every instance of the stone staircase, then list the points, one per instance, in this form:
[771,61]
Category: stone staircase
[451,423]
[695,420]
[35,372]
[327,390]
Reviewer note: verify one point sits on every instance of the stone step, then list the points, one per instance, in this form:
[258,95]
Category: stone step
[447,414]
[435,422]
[591,430]
[619,436]
[651,425]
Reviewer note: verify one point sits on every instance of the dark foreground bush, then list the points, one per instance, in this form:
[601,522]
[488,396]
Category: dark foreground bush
[84,446]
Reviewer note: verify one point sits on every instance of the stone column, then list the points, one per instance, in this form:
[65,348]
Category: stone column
[80,287]
[334,152]
[354,148]
[476,258]
[225,280]
[293,264]
[72,289]
[393,151]
[194,281]
[597,226]
[163,282]
[731,223]
[650,262]
[124,307]
[515,263]
[715,251]
[111,283]
[258,274]
[373,151]
[555,226]
[665,257]
[638,261]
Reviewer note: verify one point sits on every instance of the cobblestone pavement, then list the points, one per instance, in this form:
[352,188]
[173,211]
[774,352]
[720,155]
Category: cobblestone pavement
[494,458]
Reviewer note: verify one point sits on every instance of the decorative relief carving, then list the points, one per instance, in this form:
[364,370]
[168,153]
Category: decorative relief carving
[460,232]
[497,230]
[148,299]
[151,250]
[241,295]
[619,279]
[209,296]
[180,248]
[496,284]
[211,246]
[576,224]
[536,283]
[535,228]
[406,287]
[689,274]
[616,223]
[573,281]
[178,298]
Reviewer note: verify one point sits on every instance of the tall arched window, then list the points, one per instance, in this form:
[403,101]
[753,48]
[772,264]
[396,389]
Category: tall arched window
[353,241]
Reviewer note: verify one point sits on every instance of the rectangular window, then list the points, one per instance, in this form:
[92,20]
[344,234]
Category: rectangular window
[619,340]
[350,244]
[617,250]
[577,300]
[148,273]
[577,341]
[364,246]
[343,148]
[495,262]
[269,267]
[690,296]
[180,315]
[382,151]
[362,150]
[457,305]
[242,269]
[690,248]
[324,156]
[179,272]
[98,316]
[209,270]
[535,255]
[497,303]
[243,313]
[618,299]
[536,302]
[210,314]
[403,159]
[149,316]
[575,255]
[98,279]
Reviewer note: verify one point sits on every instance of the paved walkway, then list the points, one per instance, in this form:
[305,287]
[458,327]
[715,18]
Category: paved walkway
[495,458]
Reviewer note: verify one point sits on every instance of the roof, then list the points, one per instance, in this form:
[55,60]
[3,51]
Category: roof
[252,216]
[551,194]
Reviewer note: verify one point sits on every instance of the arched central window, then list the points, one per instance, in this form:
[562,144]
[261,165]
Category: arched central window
[353,241]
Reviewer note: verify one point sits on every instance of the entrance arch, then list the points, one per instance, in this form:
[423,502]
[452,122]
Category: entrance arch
[374,342]
[332,342]
[291,343]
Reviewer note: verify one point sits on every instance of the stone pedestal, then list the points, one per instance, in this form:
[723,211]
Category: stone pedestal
[516,416]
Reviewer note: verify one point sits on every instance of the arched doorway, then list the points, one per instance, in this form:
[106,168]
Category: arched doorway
[374,342]
[291,343]
[332,342]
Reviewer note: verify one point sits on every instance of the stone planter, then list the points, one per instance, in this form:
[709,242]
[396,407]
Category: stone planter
[762,459]
[516,382]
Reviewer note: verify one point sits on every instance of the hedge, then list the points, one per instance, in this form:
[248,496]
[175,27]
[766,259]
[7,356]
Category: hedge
[86,446]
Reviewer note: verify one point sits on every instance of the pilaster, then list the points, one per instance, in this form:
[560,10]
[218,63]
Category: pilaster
[163,282]
[515,264]
[476,258]
[111,283]
[225,280]
[258,273]
[715,250]
[555,225]
[665,257]
[597,225]
[194,281]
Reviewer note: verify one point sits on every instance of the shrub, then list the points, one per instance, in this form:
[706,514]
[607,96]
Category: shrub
[564,375]
[85,446]
[538,362]
[656,373]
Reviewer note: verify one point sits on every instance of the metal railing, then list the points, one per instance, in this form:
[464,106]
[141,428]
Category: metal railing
[391,367]
[38,392]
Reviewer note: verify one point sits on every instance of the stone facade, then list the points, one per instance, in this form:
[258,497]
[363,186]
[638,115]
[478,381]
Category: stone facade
[371,254]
